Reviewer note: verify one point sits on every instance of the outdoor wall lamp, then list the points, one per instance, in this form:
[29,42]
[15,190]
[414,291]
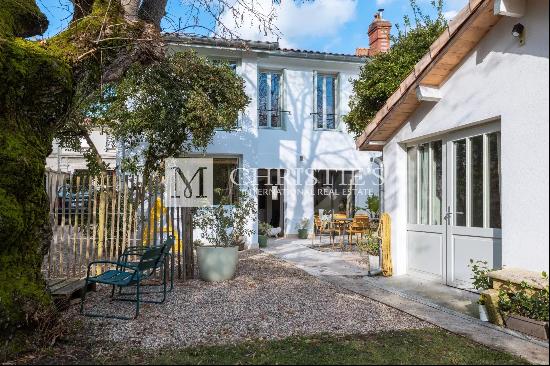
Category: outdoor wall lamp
[519,32]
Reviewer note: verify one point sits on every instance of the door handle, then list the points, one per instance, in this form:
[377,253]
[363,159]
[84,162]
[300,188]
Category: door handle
[449,214]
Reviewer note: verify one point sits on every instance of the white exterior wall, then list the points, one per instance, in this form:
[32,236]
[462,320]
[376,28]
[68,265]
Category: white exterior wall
[260,148]
[66,160]
[502,81]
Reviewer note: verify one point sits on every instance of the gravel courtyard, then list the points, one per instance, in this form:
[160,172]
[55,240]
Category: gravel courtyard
[268,299]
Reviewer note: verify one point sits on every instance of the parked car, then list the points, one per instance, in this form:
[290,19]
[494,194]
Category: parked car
[70,204]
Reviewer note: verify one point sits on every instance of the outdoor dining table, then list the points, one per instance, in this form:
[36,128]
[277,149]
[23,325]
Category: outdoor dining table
[342,224]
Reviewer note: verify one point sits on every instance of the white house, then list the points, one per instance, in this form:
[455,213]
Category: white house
[291,131]
[465,146]
[69,161]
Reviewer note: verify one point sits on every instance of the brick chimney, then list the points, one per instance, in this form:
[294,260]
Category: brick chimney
[379,34]
[379,37]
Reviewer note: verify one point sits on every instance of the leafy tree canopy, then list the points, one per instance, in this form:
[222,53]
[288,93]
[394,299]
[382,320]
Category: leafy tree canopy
[175,106]
[381,76]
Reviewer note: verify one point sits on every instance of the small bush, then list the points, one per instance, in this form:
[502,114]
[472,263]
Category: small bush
[527,301]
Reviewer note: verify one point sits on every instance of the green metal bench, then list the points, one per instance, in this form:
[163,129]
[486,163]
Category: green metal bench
[129,274]
[168,262]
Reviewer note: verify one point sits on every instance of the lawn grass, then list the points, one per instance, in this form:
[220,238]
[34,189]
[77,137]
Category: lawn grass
[426,346]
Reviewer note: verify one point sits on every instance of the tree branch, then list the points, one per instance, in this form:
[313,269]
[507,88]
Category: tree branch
[82,8]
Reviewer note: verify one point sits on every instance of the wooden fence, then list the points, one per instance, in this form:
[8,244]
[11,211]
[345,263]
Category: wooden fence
[96,218]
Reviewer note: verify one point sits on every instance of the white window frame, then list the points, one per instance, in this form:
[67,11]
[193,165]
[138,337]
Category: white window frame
[431,184]
[282,79]
[337,93]
[486,182]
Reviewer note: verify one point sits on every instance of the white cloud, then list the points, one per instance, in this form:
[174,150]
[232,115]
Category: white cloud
[449,15]
[294,20]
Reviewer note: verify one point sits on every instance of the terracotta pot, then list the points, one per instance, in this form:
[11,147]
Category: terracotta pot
[534,328]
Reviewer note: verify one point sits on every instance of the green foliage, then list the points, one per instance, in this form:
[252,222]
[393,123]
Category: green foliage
[381,76]
[373,205]
[480,278]
[527,301]
[173,106]
[225,225]
[303,224]
[370,245]
[21,18]
[264,228]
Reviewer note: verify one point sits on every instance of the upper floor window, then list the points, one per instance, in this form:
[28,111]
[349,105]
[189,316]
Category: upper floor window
[326,101]
[270,96]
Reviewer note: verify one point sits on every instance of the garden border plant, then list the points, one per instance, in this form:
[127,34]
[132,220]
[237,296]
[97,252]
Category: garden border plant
[303,228]
[525,308]
[264,229]
[481,282]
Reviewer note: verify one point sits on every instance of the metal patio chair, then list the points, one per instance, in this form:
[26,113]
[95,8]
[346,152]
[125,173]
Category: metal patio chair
[129,274]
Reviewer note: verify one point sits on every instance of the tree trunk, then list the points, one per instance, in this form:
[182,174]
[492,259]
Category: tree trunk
[131,9]
[153,11]
[35,91]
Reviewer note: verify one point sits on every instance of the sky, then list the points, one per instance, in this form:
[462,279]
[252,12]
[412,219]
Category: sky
[338,26]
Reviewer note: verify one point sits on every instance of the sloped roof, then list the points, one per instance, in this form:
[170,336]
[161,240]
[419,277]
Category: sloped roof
[261,46]
[463,33]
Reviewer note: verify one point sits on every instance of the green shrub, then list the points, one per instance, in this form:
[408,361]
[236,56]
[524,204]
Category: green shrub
[527,301]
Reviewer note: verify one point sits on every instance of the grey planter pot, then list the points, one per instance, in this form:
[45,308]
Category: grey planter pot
[534,328]
[217,263]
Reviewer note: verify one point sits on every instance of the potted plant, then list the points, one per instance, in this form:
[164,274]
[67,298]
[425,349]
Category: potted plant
[525,309]
[370,245]
[481,282]
[222,228]
[373,206]
[264,229]
[303,228]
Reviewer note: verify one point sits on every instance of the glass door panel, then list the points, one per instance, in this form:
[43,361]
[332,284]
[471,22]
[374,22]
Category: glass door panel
[459,211]
[424,175]
[437,182]
[476,181]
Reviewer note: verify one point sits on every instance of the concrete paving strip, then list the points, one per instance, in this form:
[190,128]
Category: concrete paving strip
[334,268]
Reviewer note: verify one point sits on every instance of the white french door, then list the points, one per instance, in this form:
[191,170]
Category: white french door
[454,204]
[473,216]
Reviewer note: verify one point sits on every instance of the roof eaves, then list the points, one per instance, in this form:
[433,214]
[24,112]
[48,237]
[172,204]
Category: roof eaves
[271,48]
[421,69]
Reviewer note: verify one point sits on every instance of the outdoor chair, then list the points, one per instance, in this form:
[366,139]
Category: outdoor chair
[129,274]
[322,227]
[359,226]
[168,262]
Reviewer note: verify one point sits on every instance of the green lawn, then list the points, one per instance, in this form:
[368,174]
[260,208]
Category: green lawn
[427,346]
